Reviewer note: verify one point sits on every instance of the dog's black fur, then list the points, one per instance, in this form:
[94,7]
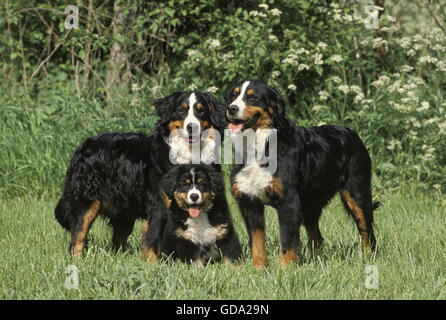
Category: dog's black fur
[117,175]
[313,165]
[209,236]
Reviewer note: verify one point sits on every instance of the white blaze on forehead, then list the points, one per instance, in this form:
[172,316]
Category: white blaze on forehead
[239,100]
[190,114]
[193,190]
[192,172]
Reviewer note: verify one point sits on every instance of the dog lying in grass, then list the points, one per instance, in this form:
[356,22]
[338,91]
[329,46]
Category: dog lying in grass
[199,227]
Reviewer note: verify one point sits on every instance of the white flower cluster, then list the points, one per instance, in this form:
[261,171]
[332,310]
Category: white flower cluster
[273,38]
[293,57]
[275,74]
[428,154]
[214,43]
[336,58]
[318,58]
[212,89]
[382,81]
[394,144]
[274,11]
[323,95]
[256,13]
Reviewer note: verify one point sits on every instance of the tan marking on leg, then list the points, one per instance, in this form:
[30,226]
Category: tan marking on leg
[81,236]
[288,256]
[148,253]
[259,258]
[275,189]
[144,227]
[358,214]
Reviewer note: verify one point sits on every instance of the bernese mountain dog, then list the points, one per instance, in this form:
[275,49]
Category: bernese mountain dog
[117,175]
[199,226]
[313,164]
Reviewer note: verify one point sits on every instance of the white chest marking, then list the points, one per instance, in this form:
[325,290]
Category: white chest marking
[252,180]
[200,232]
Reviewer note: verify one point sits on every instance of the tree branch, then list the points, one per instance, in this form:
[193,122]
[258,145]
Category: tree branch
[50,55]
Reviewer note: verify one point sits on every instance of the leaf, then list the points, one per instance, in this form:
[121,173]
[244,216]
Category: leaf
[170,12]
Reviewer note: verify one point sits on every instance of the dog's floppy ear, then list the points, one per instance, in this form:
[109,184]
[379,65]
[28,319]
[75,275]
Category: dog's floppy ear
[165,106]
[216,179]
[167,186]
[217,112]
[276,102]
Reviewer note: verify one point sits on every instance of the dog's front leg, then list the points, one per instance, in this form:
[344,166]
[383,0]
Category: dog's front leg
[290,220]
[253,213]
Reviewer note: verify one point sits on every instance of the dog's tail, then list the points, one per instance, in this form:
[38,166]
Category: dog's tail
[63,212]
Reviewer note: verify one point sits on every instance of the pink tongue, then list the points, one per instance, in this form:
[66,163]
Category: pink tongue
[194,211]
[235,127]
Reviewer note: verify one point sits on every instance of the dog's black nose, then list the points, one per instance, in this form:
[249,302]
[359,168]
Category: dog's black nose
[194,197]
[232,109]
[192,128]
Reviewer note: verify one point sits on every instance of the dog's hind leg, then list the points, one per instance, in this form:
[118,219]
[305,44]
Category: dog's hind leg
[311,224]
[81,227]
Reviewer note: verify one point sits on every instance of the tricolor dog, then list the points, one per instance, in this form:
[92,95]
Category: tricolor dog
[313,164]
[199,226]
[117,175]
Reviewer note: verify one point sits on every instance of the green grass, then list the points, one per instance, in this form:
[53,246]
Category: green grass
[411,260]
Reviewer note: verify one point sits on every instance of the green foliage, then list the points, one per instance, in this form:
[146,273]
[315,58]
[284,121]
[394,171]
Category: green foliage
[389,85]
[39,137]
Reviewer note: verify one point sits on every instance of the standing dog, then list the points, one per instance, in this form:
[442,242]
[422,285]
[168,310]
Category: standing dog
[199,227]
[313,164]
[117,175]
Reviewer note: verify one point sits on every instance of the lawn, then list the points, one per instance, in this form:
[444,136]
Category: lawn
[410,262]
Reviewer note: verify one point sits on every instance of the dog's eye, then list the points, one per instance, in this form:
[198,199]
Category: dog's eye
[187,181]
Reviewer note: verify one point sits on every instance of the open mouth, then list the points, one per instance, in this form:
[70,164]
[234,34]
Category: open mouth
[192,139]
[194,210]
[237,125]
